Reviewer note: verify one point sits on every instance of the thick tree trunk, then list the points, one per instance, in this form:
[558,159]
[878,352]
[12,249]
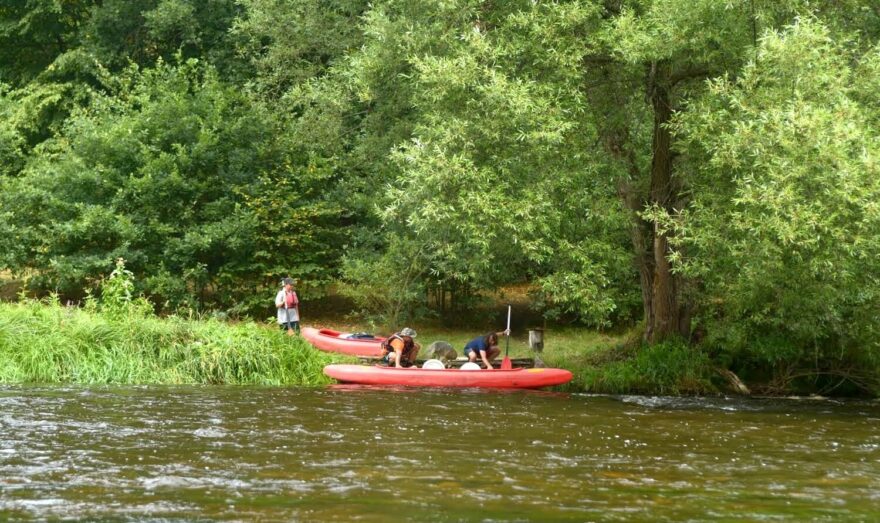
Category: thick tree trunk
[668,316]
[665,311]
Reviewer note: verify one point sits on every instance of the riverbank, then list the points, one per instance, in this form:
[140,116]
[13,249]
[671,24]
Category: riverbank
[43,341]
[46,342]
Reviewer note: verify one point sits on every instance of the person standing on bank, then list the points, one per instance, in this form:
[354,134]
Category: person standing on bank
[287,304]
[486,347]
[400,349]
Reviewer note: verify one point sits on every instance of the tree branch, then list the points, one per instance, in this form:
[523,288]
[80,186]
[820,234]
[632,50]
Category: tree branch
[688,74]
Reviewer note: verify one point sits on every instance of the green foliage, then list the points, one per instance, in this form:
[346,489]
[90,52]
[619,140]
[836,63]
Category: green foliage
[292,43]
[33,33]
[671,367]
[12,140]
[492,187]
[117,295]
[784,228]
[37,111]
[44,342]
[296,227]
[386,286]
[119,32]
[162,171]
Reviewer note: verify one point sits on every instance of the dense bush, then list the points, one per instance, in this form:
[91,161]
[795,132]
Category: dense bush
[174,171]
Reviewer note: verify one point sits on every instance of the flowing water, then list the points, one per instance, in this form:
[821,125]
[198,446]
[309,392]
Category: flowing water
[366,454]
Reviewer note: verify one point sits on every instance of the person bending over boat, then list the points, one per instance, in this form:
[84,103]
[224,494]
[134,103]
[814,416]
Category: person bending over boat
[400,350]
[486,347]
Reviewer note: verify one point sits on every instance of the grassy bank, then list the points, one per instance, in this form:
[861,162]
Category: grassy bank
[117,339]
[45,342]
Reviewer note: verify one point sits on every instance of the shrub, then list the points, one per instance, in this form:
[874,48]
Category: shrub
[671,367]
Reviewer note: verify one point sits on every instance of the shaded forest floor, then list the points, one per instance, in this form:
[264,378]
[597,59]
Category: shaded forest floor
[9,287]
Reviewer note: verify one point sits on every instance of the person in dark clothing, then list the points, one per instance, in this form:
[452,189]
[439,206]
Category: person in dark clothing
[484,347]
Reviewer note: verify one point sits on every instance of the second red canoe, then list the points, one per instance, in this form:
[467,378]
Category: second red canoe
[334,341]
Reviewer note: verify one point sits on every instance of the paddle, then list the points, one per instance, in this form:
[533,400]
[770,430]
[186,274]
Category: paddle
[505,363]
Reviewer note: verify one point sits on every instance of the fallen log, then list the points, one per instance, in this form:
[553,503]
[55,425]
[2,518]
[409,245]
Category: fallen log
[733,380]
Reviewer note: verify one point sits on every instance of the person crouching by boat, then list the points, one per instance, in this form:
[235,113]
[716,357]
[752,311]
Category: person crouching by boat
[400,350]
[287,303]
[486,347]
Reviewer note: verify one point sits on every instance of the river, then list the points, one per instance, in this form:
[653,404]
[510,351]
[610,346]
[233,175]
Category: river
[354,453]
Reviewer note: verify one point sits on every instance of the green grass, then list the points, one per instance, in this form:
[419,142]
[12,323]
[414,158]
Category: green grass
[44,342]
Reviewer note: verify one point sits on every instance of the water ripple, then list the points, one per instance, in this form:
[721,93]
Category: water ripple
[277,454]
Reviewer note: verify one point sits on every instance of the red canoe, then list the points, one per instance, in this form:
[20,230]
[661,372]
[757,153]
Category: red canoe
[332,341]
[504,379]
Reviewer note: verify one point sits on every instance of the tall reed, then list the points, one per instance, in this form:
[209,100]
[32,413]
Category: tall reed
[45,342]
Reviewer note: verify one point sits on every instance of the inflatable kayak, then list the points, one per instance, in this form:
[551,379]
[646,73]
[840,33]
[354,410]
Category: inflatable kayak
[335,341]
[415,377]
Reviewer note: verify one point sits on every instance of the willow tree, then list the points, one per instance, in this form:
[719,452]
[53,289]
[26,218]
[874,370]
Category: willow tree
[642,65]
[783,229]
[526,140]
[664,52]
